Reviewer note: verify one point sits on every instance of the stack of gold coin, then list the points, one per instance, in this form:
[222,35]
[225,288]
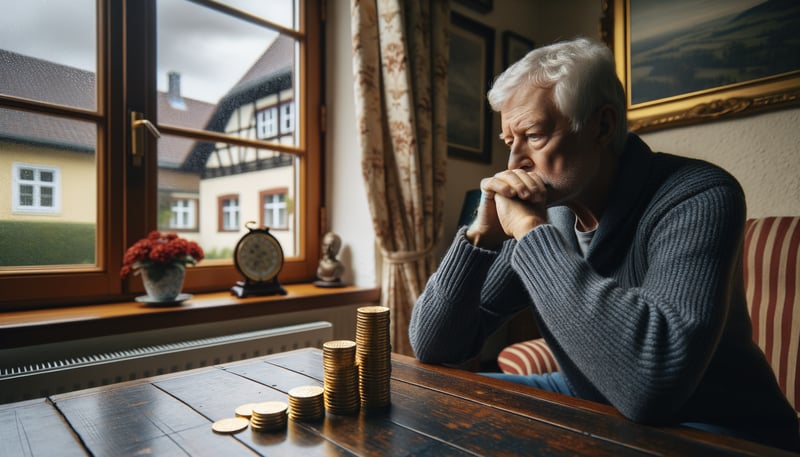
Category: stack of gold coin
[306,403]
[268,416]
[341,377]
[373,356]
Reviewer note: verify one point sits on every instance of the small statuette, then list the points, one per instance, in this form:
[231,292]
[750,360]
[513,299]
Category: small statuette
[330,268]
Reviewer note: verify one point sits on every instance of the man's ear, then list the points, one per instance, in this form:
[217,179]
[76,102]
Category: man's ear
[607,124]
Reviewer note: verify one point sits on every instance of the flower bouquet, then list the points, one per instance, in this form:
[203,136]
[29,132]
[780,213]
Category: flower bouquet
[162,257]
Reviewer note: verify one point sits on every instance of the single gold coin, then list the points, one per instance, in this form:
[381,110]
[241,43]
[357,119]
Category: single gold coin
[230,425]
[245,410]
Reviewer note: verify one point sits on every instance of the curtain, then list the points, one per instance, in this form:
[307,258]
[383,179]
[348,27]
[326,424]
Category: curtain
[400,56]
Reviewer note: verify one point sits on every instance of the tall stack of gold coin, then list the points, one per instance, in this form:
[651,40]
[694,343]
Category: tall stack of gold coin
[306,403]
[341,377]
[373,356]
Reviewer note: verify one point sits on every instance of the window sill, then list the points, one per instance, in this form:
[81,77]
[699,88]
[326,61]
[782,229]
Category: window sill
[29,327]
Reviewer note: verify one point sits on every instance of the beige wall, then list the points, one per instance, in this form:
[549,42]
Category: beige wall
[761,150]
[78,188]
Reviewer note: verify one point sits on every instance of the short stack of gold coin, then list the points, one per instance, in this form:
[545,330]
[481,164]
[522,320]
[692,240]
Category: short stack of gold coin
[373,356]
[341,377]
[306,403]
[268,416]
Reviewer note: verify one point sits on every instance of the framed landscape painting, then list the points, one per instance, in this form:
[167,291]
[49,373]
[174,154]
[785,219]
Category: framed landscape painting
[469,118]
[684,62]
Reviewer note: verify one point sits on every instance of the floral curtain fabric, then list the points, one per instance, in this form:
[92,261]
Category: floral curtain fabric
[400,57]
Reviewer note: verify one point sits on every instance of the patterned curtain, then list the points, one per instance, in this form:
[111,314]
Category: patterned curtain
[400,56]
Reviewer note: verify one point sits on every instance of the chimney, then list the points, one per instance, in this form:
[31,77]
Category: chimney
[174,92]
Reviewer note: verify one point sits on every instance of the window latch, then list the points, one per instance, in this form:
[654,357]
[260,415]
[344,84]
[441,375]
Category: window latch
[137,136]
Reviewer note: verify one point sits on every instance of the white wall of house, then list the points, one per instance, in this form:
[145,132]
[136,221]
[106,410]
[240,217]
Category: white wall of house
[760,150]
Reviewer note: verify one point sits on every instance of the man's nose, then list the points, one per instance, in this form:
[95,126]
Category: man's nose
[518,157]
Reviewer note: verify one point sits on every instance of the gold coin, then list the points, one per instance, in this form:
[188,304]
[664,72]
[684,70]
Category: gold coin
[245,410]
[230,425]
[305,392]
[270,408]
[339,345]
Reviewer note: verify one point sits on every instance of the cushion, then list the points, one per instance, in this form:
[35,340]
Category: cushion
[772,279]
[527,357]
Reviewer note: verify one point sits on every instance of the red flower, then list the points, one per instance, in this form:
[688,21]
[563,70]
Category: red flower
[158,250]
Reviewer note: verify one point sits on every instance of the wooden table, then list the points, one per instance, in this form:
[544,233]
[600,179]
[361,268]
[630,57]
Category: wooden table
[435,411]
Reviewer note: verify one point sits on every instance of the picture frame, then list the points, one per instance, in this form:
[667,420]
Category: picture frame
[711,82]
[481,6]
[469,117]
[515,47]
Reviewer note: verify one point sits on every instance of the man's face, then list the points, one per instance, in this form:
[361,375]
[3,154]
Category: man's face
[540,141]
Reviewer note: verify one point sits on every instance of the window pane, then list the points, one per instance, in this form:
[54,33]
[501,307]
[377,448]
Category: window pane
[48,211]
[224,74]
[280,12]
[47,51]
[211,173]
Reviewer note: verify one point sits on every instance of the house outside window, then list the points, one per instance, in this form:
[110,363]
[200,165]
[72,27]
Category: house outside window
[229,213]
[35,189]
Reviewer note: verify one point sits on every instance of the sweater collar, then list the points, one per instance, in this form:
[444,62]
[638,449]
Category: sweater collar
[625,196]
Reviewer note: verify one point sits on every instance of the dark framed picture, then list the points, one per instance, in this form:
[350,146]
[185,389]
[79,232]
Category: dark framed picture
[725,59]
[469,118]
[515,46]
[482,6]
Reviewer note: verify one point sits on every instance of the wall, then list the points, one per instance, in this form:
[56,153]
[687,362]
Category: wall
[761,150]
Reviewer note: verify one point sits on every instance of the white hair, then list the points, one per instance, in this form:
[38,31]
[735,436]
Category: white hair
[582,75]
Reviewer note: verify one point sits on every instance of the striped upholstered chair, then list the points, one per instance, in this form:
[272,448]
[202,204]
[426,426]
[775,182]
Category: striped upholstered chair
[772,285]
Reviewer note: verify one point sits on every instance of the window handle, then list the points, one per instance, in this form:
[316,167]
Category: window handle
[137,136]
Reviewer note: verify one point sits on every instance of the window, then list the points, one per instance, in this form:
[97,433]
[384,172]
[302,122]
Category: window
[275,209]
[35,189]
[229,213]
[183,214]
[233,88]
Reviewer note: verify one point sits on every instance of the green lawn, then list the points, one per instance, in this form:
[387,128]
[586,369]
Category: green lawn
[25,243]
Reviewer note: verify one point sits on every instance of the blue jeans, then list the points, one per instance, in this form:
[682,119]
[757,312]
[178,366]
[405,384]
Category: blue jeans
[553,382]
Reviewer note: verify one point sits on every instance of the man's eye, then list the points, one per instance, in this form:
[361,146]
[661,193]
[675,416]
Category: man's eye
[532,136]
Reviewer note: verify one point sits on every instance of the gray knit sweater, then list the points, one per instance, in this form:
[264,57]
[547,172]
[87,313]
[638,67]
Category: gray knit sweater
[652,320]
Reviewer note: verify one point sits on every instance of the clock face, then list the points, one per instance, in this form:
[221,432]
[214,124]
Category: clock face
[259,256]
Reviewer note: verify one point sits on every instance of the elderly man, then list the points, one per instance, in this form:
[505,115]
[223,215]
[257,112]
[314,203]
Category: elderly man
[629,259]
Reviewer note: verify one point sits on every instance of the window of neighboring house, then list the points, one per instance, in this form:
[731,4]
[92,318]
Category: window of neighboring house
[275,209]
[229,213]
[35,189]
[183,214]
[76,94]
[267,123]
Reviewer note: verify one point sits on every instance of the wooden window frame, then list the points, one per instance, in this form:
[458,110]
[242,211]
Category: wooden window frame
[127,194]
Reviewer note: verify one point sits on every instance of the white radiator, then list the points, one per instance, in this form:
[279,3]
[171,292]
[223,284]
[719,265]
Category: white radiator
[39,379]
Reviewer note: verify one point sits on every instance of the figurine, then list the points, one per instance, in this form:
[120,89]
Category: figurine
[330,268]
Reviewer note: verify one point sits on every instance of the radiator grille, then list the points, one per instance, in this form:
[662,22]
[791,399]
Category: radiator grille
[72,373]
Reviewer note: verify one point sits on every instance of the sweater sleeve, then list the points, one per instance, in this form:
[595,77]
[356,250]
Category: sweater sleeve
[471,293]
[642,337]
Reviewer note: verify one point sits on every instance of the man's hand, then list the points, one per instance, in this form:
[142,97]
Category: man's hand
[513,202]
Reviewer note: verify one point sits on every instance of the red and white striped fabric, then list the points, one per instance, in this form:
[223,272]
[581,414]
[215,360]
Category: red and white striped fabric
[772,279]
[527,357]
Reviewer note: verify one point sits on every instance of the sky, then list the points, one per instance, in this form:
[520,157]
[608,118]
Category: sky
[653,17]
[210,50]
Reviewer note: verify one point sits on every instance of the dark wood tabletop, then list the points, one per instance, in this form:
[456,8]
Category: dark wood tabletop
[434,411]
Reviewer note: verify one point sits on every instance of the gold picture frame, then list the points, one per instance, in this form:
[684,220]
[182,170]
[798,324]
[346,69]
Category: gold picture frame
[651,108]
